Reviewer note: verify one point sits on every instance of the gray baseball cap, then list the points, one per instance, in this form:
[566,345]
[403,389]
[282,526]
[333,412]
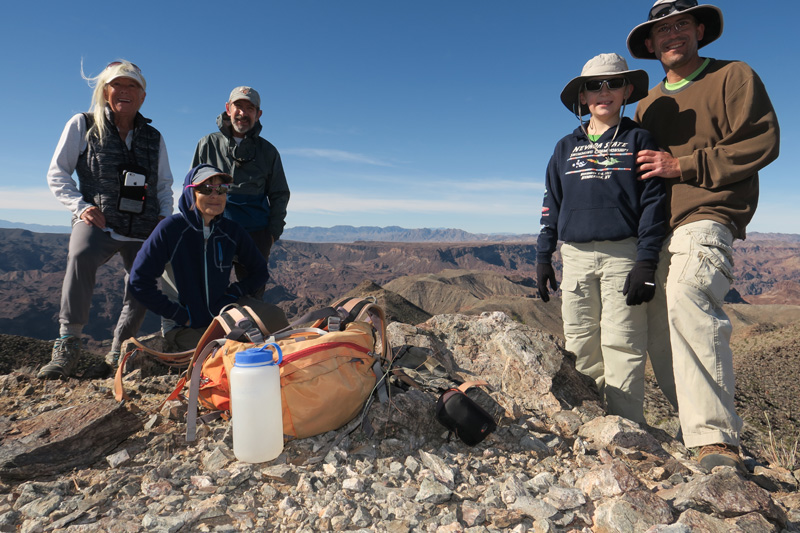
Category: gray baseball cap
[205,172]
[245,93]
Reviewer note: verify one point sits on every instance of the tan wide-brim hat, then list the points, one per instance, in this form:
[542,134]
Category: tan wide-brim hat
[707,15]
[604,65]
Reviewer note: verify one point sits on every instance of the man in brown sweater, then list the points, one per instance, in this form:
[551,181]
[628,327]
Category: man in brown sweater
[717,128]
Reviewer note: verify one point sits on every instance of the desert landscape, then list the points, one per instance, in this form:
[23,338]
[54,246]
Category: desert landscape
[418,284]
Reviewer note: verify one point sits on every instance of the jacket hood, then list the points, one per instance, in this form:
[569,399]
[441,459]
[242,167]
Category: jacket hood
[186,201]
[224,125]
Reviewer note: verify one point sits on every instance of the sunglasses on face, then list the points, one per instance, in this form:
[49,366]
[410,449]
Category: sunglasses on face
[595,86]
[662,10]
[115,63]
[206,189]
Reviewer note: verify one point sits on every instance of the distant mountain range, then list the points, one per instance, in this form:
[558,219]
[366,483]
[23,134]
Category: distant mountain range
[346,234]
[349,234]
[396,234]
[36,228]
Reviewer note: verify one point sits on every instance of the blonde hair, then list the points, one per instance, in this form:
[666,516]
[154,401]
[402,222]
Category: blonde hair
[98,83]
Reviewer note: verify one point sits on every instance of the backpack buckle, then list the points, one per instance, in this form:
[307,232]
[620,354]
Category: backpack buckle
[250,330]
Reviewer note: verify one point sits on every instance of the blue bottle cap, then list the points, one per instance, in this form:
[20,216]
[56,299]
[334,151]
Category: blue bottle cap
[263,355]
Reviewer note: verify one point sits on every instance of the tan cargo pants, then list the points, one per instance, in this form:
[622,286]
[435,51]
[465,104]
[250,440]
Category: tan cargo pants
[691,320]
[608,336]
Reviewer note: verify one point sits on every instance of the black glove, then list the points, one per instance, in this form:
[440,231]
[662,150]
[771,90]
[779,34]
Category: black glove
[545,272]
[640,285]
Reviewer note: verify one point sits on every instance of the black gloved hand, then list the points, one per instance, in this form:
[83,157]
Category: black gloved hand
[640,285]
[545,273]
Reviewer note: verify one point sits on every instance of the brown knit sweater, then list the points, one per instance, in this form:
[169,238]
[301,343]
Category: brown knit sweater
[723,130]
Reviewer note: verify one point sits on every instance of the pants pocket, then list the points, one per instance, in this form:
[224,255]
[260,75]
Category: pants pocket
[709,267]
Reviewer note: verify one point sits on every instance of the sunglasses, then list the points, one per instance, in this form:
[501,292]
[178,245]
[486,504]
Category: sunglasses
[115,63]
[662,10]
[595,86]
[206,189]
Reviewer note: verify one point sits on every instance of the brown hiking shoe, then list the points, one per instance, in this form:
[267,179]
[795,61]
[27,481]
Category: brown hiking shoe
[66,352]
[721,455]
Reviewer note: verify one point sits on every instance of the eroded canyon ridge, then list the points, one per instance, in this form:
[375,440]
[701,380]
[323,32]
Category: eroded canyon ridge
[490,275]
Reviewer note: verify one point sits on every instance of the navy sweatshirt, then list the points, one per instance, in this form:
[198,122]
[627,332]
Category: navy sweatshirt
[202,267]
[592,198]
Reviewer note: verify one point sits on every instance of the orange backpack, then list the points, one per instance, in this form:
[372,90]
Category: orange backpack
[328,370]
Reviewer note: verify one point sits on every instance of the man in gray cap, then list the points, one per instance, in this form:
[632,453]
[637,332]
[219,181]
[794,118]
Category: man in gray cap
[717,128]
[259,193]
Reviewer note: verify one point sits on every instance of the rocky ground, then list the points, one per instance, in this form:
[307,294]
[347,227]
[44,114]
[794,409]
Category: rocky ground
[554,464]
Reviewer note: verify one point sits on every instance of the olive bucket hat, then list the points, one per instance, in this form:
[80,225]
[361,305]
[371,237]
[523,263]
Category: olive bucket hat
[706,14]
[604,65]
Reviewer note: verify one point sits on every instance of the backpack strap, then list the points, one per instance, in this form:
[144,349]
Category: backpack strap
[317,316]
[238,320]
[469,384]
[194,387]
[177,359]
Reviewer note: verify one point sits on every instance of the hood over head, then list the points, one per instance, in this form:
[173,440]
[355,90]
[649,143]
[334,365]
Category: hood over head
[186,202]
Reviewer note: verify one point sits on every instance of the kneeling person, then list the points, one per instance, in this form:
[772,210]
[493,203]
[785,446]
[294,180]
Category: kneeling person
[201,246]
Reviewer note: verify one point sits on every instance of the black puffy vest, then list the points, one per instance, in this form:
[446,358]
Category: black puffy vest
[98,171]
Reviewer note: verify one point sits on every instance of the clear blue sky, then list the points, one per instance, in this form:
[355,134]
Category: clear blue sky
[414,113]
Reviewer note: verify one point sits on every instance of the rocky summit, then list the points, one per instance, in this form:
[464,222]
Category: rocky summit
[556,461]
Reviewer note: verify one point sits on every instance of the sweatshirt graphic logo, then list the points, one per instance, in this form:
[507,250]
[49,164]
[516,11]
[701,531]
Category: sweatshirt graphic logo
[605,163]
[599,161]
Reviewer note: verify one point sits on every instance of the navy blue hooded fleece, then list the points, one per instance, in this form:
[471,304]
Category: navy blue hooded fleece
[594,198]
[202,267]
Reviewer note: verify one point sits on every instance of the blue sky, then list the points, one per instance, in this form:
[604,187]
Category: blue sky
[415,113]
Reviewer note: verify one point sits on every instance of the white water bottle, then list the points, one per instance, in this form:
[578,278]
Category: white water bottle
[256,412]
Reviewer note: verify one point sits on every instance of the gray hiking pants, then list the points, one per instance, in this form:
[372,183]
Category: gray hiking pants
[89,249]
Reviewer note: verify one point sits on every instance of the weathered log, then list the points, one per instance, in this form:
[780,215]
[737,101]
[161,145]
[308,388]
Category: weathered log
[62,439]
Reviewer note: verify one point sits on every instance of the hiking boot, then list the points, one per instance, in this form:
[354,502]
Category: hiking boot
[112,358]
[66,352]
[720,455]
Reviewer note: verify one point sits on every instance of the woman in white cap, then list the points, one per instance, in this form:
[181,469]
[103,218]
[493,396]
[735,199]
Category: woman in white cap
[612,225]
[124,188]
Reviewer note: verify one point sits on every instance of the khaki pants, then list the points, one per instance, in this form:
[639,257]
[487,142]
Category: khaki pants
[699,258]
[608,337]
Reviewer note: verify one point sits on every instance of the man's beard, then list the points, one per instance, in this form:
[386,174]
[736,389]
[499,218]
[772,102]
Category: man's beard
[241,127]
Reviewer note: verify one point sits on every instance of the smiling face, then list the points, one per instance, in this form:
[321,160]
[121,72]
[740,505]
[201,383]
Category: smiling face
[605,104]
[125,96]
[674,41]
[210,205]
[244,115]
